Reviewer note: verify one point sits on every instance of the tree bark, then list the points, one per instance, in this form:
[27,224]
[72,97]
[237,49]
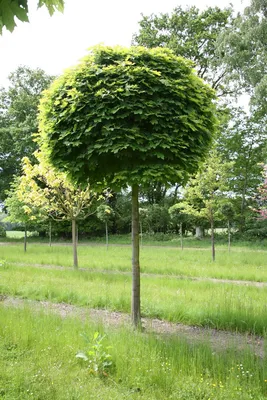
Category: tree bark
[25,238]
[74,244]
[136,303]
[106,235]
[212,239]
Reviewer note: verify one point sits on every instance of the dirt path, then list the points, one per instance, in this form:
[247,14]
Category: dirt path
[219,340]
[105,271]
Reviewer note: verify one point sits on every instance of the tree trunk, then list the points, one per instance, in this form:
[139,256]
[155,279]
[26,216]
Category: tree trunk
[106,235]
[181,235]
[74,244]
[136,303]
[229,236]
[50,233]
[212,239]
[25,238]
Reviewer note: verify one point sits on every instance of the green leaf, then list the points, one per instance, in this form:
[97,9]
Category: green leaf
[19,12]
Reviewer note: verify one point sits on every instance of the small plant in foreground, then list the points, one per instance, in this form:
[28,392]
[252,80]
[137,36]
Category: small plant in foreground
[99,361]
[2,263]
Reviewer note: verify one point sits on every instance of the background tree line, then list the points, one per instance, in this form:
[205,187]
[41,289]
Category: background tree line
[228,51]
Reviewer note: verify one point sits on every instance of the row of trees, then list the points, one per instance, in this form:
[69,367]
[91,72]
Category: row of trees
[142,118]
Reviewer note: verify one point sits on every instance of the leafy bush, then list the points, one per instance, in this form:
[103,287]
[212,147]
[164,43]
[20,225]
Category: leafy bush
[255,229]
[2,231]
[97,357]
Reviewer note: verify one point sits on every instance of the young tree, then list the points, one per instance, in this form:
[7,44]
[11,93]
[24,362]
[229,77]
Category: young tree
[228,212]
[178,218]
[128,116]
[51,191]
[22,212]
[206,191]
[105,213]
[11,9]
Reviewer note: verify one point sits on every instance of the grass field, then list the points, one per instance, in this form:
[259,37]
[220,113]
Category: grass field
[37,349]
[37,361]
[223,306]
[240,263]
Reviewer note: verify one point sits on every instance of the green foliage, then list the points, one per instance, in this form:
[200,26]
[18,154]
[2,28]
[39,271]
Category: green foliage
[20,210]
[96,355]
[129,116]
[52,192]
[244,47]
[227,210]
[154,193]
[176,215]
[2,231]
[104,213]
[18,121]
[193,34]
[208,189]
[122,209]
[157,218]
[11,9]
[243,142]
[255,229]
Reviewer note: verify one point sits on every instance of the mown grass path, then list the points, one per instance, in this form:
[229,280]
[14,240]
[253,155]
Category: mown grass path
[192,278]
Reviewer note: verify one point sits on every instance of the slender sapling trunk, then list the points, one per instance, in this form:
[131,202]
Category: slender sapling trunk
[25,238]
[50,233]
[106,234]
[74,244]
[136,303]
[181,235]
[212,239]
[229,236]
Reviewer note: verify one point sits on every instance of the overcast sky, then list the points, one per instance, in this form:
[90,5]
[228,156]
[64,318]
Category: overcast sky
[55,43]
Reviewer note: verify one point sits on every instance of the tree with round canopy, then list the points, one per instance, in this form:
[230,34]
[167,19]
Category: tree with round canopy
[128,116]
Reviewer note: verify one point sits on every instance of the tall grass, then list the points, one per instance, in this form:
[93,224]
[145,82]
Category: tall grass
[222,306]
[242,265]
[37,361]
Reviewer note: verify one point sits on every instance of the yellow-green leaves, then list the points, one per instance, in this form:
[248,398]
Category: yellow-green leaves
[52,192]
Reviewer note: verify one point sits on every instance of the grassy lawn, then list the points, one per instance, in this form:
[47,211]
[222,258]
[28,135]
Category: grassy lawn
[223,306]
[37,361]
[242,264]
[37,349]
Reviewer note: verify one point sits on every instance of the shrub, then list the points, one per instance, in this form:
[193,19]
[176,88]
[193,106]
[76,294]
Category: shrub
[2,231]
